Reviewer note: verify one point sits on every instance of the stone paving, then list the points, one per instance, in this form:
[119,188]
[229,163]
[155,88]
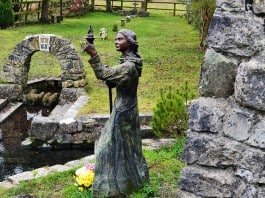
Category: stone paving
[13,181]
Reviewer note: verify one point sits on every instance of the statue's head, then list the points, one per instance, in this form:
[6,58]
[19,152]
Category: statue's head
[131,39]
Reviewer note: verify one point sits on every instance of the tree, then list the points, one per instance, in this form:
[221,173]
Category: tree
[171,114]
[108,5]
[199,14]
[45,12]
[92,5]
[6,13]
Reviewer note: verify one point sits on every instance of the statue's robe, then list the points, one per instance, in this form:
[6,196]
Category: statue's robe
[120,164]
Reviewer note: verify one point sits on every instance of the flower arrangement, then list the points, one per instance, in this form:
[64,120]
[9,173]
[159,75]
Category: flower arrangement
[84,177]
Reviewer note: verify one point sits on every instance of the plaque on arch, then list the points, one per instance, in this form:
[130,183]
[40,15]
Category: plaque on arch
[44,42]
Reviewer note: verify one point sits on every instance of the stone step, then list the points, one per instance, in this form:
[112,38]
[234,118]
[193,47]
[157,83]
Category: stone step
[8,110]
[145,118]
[3,103]
[147,131]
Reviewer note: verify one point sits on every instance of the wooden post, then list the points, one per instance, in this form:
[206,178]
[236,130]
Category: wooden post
[121,4]
[27,10]
[61,10]
[39,9]
[52,19]
[174,12]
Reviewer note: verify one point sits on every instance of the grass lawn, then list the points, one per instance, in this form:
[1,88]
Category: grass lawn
[168,46]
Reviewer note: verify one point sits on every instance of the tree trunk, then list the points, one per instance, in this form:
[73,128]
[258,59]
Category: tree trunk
[92,7]
[108,5]
[44,12]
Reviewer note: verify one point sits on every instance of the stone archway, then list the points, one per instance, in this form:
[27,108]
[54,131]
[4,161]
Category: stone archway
[15,71]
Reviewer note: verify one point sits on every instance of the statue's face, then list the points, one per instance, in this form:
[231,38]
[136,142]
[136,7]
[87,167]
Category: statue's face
[121,43]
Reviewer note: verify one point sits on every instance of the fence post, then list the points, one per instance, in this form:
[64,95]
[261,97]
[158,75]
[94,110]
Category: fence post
[121,4]
[174,12]
[39,9]
[26,15]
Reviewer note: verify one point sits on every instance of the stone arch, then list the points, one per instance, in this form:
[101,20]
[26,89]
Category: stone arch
[15,71]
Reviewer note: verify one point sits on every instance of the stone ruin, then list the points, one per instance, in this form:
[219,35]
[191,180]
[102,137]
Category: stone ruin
[225,148]
[61,125]
[15,71]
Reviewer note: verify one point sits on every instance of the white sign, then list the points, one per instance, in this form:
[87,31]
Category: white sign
[44,42]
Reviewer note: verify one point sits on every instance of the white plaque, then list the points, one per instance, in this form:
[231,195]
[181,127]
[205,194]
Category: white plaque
[44,42]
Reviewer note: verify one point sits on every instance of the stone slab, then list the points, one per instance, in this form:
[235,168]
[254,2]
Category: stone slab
[6,112]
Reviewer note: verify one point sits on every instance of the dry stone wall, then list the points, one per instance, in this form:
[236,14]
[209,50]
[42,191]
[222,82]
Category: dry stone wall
[225,148]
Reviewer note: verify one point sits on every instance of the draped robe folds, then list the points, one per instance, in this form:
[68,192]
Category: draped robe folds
[120,164]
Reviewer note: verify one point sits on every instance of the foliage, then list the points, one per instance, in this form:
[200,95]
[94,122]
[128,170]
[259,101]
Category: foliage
[200,13]
[6,13]
[171,114]
[164,168]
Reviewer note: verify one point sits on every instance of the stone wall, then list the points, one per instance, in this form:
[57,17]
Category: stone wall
[225,148]
[15,71]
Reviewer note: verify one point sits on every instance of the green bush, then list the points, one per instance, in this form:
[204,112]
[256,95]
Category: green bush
[6,13]
[171,114]
[199,14]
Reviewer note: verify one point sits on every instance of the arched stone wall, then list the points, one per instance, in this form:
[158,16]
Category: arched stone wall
[15,71]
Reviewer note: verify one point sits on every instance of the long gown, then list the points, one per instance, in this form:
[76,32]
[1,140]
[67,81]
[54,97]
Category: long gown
[120,164]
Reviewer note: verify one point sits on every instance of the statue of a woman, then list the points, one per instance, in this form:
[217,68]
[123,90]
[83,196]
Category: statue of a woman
[120,164]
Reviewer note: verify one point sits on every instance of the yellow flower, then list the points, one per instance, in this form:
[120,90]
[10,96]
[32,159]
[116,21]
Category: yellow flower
[85,178]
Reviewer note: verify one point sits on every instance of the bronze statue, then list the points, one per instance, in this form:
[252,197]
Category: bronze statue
[120,164]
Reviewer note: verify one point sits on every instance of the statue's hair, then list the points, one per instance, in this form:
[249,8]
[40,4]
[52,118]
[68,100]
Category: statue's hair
[131,38]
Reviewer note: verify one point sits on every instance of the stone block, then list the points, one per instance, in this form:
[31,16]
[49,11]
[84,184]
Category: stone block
[69,125]
[43,128]
[257,138]
[261,192]
[237,123]
[28,175]
[67,83]
[258,7]
[227,35]
[250,83]
[232,5]
[218,75]
[252,161]
[11,91]
[207,182]
[212,151]
[206,114]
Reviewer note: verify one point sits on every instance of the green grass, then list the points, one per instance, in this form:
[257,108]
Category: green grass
[164,168]
[168,46]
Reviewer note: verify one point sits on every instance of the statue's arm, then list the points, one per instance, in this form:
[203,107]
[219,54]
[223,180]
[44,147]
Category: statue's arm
[115,74]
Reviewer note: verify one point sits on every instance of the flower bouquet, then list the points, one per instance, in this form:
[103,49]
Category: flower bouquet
[84,177]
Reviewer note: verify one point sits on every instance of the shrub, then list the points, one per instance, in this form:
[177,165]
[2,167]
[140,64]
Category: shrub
[171,114]
[199,14]
[6,13]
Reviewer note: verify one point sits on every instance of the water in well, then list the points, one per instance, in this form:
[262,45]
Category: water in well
[15,159]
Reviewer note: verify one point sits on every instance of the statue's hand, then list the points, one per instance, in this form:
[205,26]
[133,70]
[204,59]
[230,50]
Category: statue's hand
[110,84]
[90,49]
